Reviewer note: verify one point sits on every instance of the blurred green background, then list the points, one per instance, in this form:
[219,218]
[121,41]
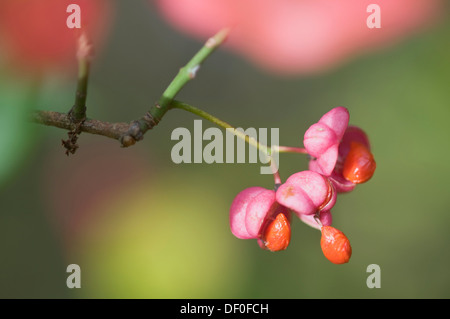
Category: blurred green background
[141,226]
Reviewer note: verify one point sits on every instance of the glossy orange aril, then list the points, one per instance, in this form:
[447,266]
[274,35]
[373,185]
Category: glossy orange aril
[277,233]
[335,245]
[359,164]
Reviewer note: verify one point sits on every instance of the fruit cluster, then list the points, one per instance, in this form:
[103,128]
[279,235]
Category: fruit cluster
[340,158]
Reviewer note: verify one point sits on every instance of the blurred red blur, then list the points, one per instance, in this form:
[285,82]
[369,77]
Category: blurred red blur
[300,36]
[35,34]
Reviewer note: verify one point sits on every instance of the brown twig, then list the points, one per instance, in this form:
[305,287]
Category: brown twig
[116,131]
[127,133]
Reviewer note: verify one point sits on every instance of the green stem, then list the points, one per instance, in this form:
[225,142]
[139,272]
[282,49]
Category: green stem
[78,111]
[189,71]
[186,73]
[79,108]
[248,139]
[290,149]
